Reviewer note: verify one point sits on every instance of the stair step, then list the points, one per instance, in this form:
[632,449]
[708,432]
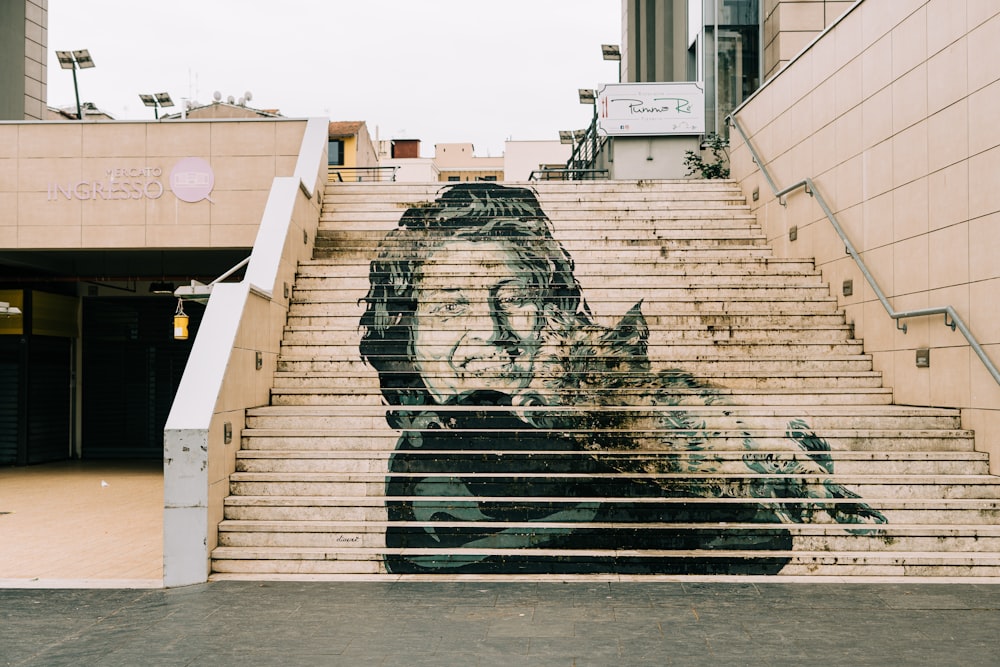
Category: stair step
[721,321]
[721,232]
[696,367]
[782,305]
[948,511]
[679,351]
[328,335]
[294,438]
[597,266]
[696,251]
[314,395]
[735,284]
[847,463]
[807,537]
[544,486]
[712,417]
[317,560]
[803,381]
[338,294]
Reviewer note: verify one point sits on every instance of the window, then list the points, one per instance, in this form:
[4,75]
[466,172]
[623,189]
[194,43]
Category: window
[454,178]
[336,156]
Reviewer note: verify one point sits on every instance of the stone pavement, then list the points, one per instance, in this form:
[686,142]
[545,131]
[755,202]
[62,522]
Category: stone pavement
[73,521]
[473,623]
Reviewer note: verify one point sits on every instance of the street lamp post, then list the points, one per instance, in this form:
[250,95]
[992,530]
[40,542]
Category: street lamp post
[589,96]
[157,101]
[72,60]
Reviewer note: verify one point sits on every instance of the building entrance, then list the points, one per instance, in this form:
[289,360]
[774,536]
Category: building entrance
[35,399]
[131,369]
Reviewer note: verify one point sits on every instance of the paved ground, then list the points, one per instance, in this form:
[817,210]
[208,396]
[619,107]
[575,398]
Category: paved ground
[82,521]
[509,624]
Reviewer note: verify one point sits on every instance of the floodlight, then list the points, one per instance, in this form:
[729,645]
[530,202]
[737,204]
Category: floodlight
[588,96]
[156,100]
[79,59]
[611,52]
[565,136]
[83,59]
[65,59]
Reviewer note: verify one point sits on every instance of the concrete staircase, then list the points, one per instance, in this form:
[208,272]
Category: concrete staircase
[746,434]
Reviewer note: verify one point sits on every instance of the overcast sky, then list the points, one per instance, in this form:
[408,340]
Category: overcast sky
[436,70]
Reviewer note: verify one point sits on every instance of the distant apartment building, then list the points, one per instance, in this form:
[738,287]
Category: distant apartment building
[458,162]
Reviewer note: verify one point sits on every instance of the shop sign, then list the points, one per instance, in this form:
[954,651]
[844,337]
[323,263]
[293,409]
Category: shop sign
[191,180]
[650,109]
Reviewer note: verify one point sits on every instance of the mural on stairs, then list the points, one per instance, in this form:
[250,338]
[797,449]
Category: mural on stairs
[526,424]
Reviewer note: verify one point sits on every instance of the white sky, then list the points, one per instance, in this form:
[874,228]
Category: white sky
[436,70]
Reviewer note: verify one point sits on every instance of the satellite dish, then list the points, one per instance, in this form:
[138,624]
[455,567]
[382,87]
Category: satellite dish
[248,96]
[231,99]
[217,96]
[242,102]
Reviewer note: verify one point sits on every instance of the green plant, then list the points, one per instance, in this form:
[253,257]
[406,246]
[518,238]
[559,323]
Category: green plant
[717,167]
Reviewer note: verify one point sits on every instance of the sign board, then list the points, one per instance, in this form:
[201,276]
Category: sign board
[648,109]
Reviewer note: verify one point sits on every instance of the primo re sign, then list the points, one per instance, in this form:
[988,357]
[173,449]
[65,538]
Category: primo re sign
[191,180]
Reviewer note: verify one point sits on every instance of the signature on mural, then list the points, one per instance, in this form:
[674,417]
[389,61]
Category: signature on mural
[508,395]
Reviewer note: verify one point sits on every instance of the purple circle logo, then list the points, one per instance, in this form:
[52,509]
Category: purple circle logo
[192,179]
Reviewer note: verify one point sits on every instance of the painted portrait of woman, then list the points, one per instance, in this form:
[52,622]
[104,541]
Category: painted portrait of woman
[525,424]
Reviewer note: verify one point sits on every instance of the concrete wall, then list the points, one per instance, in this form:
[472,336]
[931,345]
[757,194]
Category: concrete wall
[413,170]
[893,114]
[650,157]
[108,185]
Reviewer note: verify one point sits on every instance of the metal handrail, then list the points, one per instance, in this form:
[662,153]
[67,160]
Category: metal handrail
[951,317]
[336,173]
[574,174]
[200,292]
[586,149]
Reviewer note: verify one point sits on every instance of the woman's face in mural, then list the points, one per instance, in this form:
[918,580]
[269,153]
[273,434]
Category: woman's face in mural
[475,330]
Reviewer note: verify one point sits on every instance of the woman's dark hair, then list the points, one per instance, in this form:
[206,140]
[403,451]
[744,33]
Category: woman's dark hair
[471,212]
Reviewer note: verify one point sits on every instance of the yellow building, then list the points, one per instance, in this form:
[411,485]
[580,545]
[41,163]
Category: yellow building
[351,152]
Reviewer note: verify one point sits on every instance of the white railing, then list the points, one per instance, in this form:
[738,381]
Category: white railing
[232,364]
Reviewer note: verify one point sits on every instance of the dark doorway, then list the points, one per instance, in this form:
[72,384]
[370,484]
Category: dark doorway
[131,369]
[35,399]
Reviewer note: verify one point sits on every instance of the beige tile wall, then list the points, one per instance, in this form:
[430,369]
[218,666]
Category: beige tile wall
[38,158]
[789,26]
[893,114]
[35,58]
